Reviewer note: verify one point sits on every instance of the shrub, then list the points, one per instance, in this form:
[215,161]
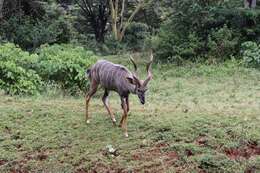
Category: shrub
[65,65]
[196,21]
[221,44]
[135,35]
[9,52]
[16,73]
[170,47]
[31,32]
[17,80]
[251,54]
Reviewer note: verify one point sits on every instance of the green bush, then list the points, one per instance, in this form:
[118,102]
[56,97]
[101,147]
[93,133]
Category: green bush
[170,47]
[31,32]
[17,80]
[221,44]
[251,54]
[65,65]
[9,52]
[195,30]
[135,35]
[16,73]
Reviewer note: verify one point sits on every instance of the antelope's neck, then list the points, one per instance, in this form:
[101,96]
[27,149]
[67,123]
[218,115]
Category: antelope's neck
[132,89]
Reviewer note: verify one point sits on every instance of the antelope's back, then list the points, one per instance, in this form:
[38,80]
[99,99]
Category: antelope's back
[111,76]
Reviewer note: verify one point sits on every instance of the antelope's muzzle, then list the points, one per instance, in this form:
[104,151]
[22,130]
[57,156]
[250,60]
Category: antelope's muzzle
[142,99]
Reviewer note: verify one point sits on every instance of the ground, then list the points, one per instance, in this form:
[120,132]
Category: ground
[197,118]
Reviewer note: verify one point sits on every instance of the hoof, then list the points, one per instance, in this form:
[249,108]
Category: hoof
[114,123]
[114,120]
[126,135]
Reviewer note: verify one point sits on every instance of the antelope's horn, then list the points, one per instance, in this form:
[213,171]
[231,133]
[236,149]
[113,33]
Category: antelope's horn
[133,61]
[148,69]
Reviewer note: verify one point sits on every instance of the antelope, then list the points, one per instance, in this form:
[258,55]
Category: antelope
[115,77]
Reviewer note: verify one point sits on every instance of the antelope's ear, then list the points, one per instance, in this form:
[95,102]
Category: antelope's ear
[130,80]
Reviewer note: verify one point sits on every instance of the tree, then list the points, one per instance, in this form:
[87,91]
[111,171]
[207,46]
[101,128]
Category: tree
[119,23]
[250,3]
[1,8]
[96,13]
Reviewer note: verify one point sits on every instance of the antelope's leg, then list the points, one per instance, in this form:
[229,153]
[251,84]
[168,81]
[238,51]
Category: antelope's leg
[123,116]
[127,103]
[92,91]
[105,101]
[123,122]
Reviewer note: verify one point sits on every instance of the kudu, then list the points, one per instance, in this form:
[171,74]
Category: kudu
[115,77]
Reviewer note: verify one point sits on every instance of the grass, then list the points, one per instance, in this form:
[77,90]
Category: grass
[198,119]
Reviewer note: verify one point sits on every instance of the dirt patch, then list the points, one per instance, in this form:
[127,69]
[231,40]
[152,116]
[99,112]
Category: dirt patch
[37,156]
[201,141]
[20,166]
[99,166]
[151,159]
[245,151]
[250,170]
[2,162]
[159,158]
[189,153]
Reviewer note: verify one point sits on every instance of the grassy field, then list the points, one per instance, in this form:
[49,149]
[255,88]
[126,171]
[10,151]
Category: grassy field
[197,118]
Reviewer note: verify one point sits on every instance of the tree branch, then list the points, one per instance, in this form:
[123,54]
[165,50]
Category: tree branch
[130,20]
[122,14]
[82,8]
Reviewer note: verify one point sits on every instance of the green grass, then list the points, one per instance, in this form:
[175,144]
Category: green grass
[197,118]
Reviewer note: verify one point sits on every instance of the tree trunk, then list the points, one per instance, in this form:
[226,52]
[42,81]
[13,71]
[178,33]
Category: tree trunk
[113,19]
[100,31]
[1,8]
[249,3]
[118,26]
[253,4]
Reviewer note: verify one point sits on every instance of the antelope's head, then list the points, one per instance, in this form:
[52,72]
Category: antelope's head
[141,86]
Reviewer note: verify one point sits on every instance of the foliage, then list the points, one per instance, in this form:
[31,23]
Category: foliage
[92,18]
[9,52]
[65,65]
[170,47]
[17,80]
[135,35]
[251,54]
[218,29]
[16,74]
[29,33]
[221,43]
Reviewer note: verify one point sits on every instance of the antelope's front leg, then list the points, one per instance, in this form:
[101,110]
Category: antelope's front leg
[105,101]
[123,122]
[92,91]
[127,103]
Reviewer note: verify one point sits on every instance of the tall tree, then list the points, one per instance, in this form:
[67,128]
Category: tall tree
[96,13]
[1,8]
[119,22]
[250,3]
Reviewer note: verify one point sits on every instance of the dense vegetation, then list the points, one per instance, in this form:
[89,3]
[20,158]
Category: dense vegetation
[59,65]
[179,31]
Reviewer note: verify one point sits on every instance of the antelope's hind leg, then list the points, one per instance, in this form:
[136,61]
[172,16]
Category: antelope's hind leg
[123,122]
[92,91]
[105,101]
